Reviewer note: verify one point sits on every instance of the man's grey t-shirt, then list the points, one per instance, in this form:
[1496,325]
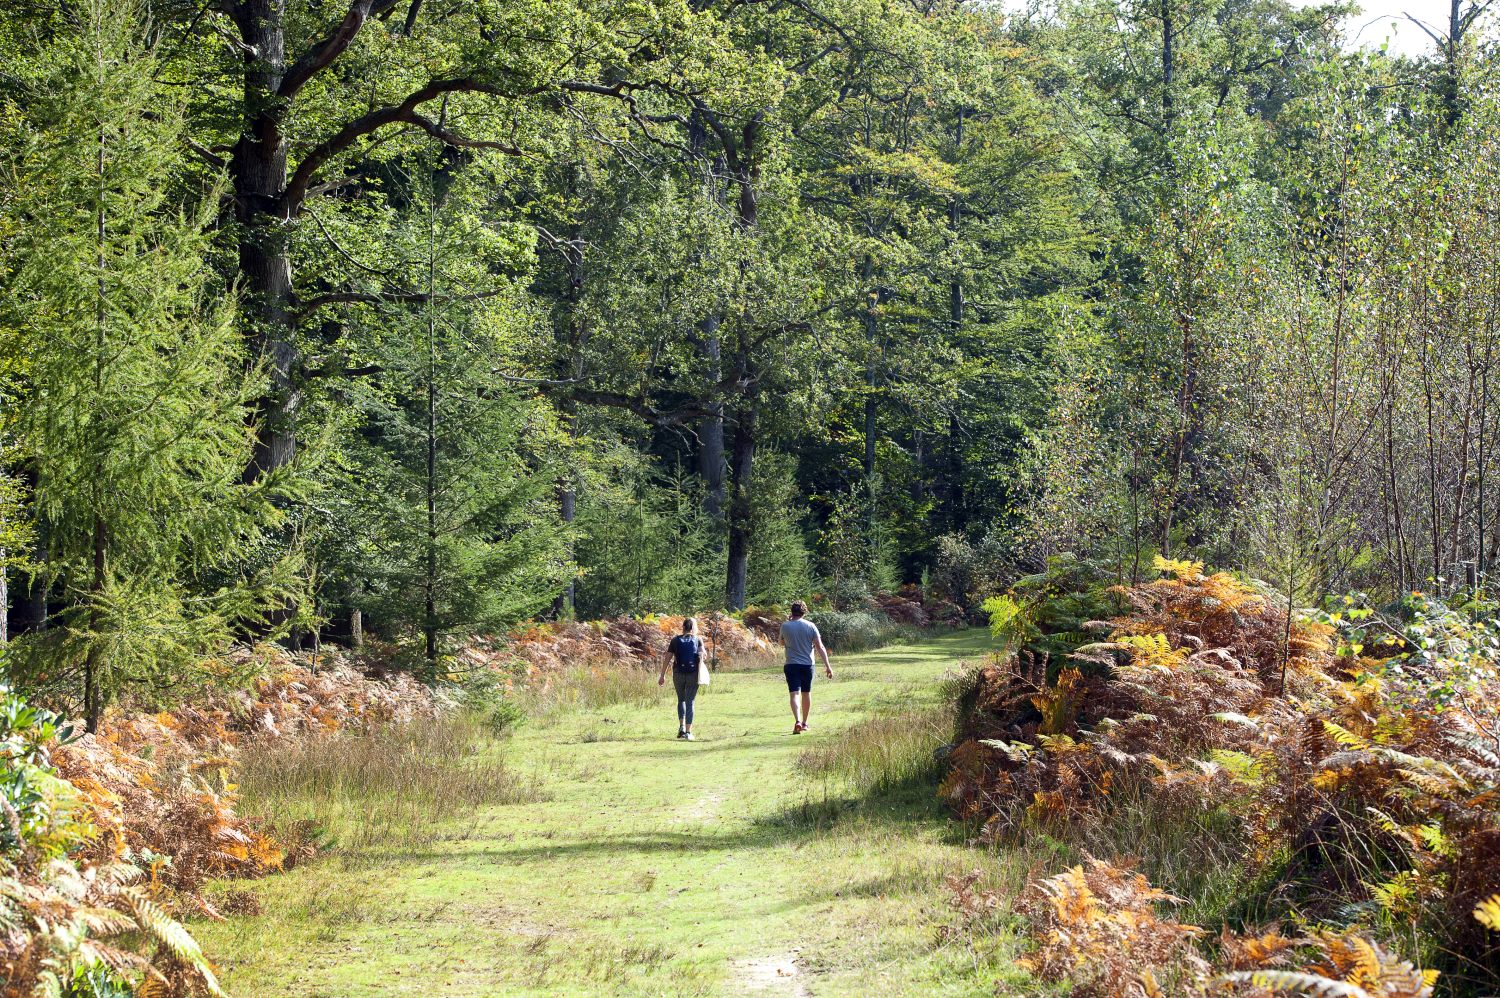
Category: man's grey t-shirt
[800,637]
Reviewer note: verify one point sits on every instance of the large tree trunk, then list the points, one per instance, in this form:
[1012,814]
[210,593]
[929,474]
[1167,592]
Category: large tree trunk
[258,171]
[746,165]
[741,522]
[711,427]
[567,511]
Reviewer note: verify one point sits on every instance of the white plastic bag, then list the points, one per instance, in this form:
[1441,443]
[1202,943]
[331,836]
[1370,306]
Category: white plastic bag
[704,676]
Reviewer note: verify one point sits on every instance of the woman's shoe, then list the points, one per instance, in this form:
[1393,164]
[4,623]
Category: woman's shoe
[687,736]
[681,733]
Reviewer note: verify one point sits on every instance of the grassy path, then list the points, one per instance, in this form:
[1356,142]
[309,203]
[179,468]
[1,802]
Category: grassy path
[651,867]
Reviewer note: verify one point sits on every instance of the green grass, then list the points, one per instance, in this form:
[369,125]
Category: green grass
[640,865]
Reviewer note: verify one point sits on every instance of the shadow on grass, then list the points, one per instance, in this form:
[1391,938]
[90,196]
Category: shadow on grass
[897,806]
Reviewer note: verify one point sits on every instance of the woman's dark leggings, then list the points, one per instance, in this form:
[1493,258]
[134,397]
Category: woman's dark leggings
[686,683]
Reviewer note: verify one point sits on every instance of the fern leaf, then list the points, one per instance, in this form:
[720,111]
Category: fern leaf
[1487,912]
[1230,717]
[1314,985]
[164,929]
[1345,737]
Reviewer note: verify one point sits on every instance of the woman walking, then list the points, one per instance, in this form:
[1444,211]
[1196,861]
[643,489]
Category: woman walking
[684,653]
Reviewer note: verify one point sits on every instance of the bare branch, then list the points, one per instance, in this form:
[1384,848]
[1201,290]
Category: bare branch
[208,155]
[379,297]
[345,253]
[440,133]
[372,121]
[322,54]
[1429,32]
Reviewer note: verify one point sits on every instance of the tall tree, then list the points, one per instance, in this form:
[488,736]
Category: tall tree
[450,475]
[135,426]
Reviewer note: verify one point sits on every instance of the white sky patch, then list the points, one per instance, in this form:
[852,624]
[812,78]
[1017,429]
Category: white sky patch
[1378,22]
[1385,21]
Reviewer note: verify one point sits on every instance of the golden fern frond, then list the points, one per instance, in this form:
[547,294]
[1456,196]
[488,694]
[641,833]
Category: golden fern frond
[1345,737]
[1366,962]
[1487,912]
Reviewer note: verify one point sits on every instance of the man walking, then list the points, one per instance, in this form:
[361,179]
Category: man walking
[684,652]
[800,638]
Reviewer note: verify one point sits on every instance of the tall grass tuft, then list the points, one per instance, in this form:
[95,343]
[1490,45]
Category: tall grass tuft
[883,751]
[585,688]
[858,631]
[390,786]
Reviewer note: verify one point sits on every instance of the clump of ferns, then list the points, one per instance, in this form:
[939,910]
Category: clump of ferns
[96,924]
[1372,782]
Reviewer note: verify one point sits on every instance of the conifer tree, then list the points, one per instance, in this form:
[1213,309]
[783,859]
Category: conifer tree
[136,427]
[449,476]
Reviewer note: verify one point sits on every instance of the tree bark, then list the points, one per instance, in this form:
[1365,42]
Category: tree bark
[743,158]
[258,172]
[741,523]
[711,427]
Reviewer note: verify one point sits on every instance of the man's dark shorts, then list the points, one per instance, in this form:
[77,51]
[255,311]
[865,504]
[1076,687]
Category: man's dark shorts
[799,678]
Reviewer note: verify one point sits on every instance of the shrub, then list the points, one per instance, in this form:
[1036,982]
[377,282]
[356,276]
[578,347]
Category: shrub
[857,631]
[966,573]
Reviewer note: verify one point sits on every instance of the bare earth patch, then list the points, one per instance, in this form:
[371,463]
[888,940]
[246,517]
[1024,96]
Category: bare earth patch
[705,808]
[781,974]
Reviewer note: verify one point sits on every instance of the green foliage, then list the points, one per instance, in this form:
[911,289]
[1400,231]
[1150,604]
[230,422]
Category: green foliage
[1046,614]
[1009,622]
[41,810]
[644,543]
[780,565]
[966,572]
[440,525]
